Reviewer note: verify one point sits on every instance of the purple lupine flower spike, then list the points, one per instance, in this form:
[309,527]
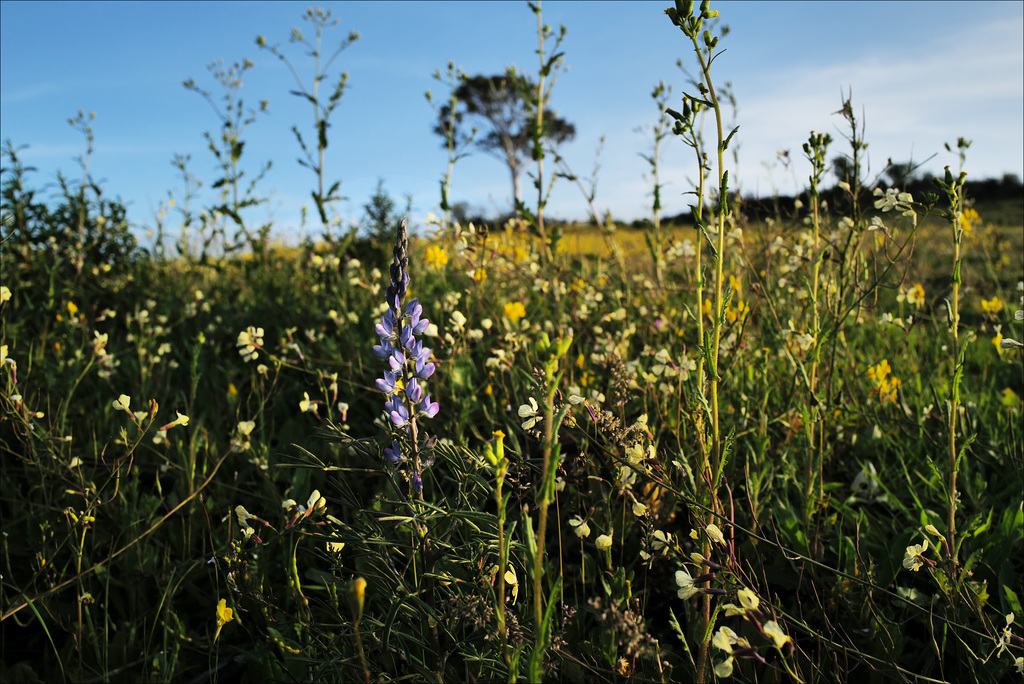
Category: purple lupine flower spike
[408,362]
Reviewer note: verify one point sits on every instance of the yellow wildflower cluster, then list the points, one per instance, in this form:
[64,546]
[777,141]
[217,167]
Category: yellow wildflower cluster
[436,256]
[886,385]
[968,219]
[992,306]
[514,311]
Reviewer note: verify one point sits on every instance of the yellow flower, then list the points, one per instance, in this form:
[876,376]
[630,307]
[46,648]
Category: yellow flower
[885,386]
[878,373]
[5,293]
[603,542]
[915,295]
[968,219]
[72,308]
[515,311]
[994,305]
[436,256]
[715,534]
[706,308]
[480,275]
[359,594]
[513,581]
[224,616]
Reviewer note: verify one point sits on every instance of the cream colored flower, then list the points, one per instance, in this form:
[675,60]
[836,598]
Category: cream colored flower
[580,527]
[529,412]
[685,584]
[122,403]
[772,630]
[725,638]
[915,556]
[715,534]
[182,419]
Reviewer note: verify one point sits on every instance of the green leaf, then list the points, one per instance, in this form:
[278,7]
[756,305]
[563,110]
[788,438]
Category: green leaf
[1012,600]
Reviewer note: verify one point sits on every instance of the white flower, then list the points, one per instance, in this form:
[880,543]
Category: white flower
[724,668]
[725,638]
[748,603]
[866,482]
[685,584]
[529,413]
[661,541]
[772,630]
[715,534]
[603,542]
[580,527]
[248,342]
[915,556]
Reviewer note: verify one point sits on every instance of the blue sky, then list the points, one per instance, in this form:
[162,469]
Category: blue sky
[921,74]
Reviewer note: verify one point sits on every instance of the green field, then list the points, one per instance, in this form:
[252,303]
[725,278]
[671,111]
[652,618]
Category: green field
[781,448]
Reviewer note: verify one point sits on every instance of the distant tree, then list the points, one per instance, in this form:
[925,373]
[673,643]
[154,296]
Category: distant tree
[381,217]
[901,173]
[842,167]
[499,103]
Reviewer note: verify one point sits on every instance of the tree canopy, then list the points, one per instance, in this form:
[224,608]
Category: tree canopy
[503,107]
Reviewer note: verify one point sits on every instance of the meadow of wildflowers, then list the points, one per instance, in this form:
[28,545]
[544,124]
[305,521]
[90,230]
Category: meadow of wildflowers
[782,449]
